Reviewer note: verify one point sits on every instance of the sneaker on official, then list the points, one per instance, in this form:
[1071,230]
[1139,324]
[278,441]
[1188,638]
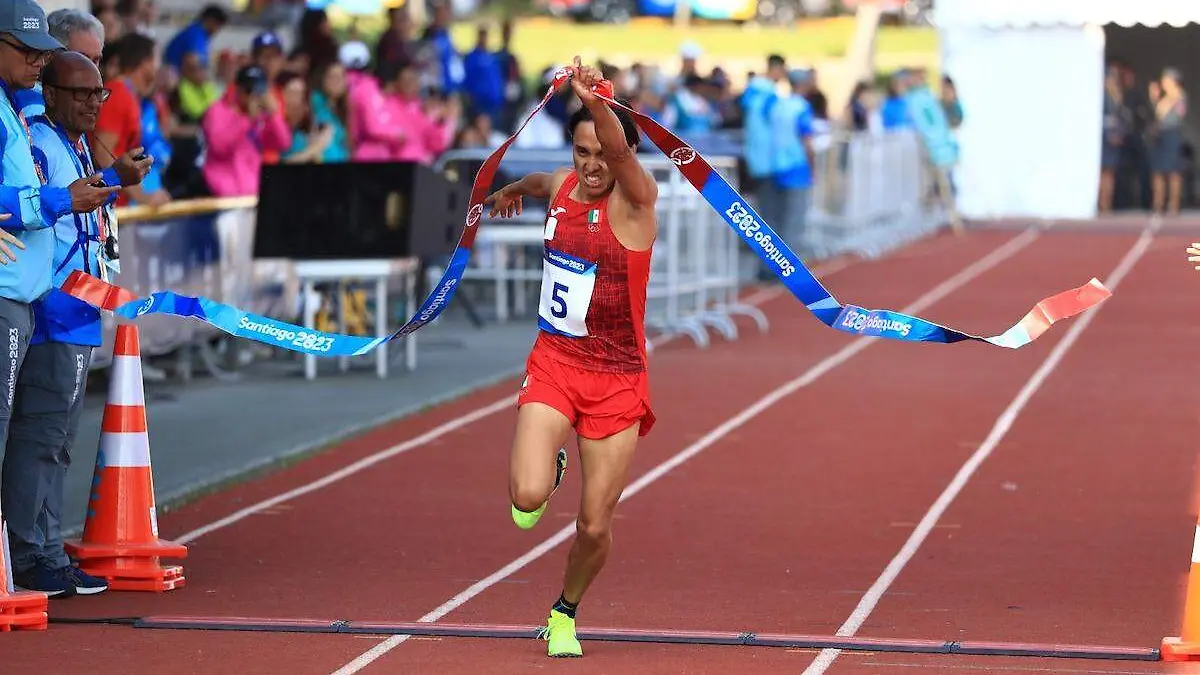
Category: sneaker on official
[84,583]
[44,579]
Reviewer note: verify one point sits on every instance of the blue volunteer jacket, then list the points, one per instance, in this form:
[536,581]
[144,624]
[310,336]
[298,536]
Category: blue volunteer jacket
[33,207]
[58,317]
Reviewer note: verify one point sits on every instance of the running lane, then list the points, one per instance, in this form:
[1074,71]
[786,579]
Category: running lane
[782,522]
[1079,527]
[402,536]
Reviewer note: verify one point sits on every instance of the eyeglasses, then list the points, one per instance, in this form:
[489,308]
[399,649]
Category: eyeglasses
[33,57]
[82,94]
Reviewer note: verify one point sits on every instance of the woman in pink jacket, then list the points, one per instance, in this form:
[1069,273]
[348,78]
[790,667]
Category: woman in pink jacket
[237,129]
[419,130]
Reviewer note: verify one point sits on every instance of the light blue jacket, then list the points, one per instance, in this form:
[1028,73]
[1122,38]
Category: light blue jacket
[58,317]
[34,209]
[756,100]
[791,120]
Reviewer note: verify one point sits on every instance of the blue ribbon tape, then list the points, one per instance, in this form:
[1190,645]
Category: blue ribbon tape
[719,194]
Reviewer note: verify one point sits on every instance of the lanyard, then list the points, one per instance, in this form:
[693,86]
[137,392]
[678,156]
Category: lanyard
[81,159]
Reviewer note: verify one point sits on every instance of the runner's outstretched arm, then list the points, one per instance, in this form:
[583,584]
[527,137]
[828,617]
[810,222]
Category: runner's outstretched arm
[506,202]
[636,184]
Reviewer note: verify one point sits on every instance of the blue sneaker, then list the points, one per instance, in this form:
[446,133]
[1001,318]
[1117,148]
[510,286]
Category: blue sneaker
[84,583]
[44,579]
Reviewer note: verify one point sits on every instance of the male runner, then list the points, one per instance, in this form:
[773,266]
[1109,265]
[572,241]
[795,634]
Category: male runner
[587,369]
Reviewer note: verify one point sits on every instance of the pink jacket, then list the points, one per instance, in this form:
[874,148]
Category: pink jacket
[424,139]
[235,144]
[374,133]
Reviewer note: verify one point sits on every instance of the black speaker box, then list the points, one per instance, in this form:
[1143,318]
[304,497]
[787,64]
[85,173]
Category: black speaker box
[367,210]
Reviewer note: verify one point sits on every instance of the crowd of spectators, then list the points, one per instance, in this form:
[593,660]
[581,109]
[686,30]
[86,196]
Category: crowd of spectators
[211,119]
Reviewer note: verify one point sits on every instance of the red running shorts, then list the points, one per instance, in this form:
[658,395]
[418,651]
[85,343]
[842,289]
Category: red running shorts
[598,404]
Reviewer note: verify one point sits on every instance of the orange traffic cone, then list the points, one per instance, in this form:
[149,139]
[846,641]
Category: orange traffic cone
[19,610]
[120,535]
[1186,647]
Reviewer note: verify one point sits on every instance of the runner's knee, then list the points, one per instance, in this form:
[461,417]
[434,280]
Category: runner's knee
[594,529]
[527,496]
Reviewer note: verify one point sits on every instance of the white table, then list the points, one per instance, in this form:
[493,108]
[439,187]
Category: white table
[312,272]
[509,242]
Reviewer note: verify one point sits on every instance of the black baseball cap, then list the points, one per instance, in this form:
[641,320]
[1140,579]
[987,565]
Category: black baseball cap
[250,79]
[26,21]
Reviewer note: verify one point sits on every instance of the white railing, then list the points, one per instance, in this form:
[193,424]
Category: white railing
[869,194]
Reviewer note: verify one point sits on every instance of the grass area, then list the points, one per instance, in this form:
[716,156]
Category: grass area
[540,41]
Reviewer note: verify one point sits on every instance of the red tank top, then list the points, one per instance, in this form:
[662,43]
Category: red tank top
[593,304]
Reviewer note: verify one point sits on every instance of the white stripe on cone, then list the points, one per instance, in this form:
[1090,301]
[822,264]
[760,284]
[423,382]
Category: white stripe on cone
[126,381]
[125,449]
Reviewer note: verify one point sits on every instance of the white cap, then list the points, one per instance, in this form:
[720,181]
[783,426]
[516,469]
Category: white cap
[690,50]
[354,55]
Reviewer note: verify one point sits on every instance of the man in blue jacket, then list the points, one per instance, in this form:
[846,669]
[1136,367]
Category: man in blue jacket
[32,207]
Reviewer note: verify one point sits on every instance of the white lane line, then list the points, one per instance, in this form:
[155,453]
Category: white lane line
[999,430]
[401,448]
[940,291]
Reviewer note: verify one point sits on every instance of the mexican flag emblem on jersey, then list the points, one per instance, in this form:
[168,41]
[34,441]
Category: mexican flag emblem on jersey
[593,216]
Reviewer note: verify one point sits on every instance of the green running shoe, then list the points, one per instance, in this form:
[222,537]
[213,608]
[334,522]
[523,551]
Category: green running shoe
[559,633]
[526,520]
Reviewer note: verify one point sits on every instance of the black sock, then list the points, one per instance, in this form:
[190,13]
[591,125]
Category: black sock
[568,608]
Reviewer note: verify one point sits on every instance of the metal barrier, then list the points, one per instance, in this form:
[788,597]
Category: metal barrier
[869,194]
[695,270]
[196,247]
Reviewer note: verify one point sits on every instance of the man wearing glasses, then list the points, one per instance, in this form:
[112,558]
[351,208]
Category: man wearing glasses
[30,209]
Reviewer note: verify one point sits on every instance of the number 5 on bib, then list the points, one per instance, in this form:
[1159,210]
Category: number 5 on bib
[567,285]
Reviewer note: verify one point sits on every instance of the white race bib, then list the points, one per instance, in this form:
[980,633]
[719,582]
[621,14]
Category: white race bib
[567,285]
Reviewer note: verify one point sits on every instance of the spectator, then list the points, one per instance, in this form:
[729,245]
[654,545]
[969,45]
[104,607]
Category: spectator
[792,160]
[758,96]
[950,103]
[119,126]
[514,83]
[448,63]
[314,39]
[266,52]
[105,12]
[689,52]
[1118,119]
[155,130]
[480,134]
[136,16]
[894,112]
[374,134]
[237,128]
[816,97]
[190,47]
[484,83]
[688,112]
[857,114]
[1166,151]
[79,32]
[308,140]
[428,125]
[397,42]
[330,104]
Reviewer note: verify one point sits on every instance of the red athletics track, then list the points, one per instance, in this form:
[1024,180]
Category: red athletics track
[780,525]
